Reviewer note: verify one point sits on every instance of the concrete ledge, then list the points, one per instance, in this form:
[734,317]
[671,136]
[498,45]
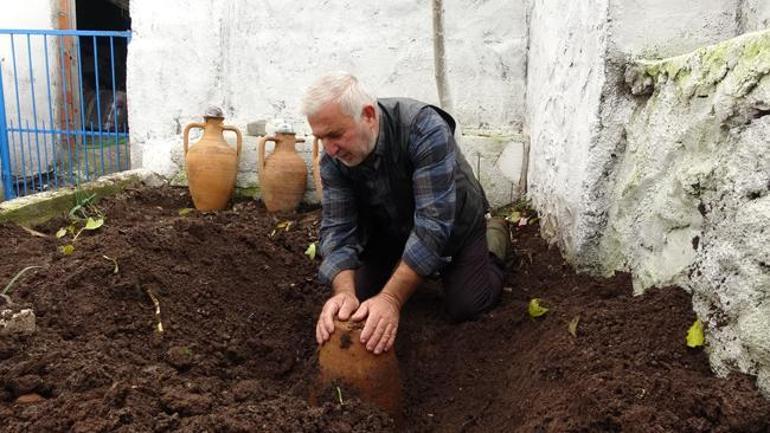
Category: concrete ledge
[41,207]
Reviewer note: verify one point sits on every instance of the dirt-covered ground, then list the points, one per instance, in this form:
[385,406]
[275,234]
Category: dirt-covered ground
[238,301]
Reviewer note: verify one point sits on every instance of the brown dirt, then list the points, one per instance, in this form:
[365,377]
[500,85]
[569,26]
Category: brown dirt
[237,353]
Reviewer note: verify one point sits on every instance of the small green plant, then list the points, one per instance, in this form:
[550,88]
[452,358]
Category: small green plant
[535,308]
[84,215]
[695,337]
[311,251]
[339,396]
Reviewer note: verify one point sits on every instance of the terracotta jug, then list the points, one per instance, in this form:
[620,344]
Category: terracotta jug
[317,171]
[375,378]
[211,163]
[283,174]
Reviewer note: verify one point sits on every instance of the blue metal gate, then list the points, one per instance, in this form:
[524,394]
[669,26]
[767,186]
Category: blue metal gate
[63,108]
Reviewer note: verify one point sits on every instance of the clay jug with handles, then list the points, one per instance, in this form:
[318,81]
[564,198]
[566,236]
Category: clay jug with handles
[211,163]
[317,171]
[282,174]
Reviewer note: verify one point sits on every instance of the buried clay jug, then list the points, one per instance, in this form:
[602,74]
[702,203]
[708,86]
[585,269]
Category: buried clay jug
[373,378]
[211,163]
[283,174]
[319,192]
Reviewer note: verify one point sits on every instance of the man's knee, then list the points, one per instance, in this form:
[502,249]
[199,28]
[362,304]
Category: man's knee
[469,305]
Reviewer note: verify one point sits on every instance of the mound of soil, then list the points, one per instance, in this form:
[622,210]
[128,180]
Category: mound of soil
[238,301]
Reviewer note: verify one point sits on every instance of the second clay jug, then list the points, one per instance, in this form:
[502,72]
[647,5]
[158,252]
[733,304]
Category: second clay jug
[282,174]
[211,163]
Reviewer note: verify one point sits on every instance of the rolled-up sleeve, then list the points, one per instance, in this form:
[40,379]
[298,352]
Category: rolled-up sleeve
[432,151]
[339,243]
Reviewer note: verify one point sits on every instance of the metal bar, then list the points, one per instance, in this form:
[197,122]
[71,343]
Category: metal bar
[98,102]
[34,110]
[65,103]
[31,160]
[18,113]
[125,34]
[75,132]
[82,106]
[40,184]
[50,118]
[16,159]
[5,154]
[114,101]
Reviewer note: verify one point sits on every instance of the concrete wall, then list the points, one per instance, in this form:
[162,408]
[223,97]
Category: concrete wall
[32,14]
[567,54]
[255,63]
[754,15]
[691,203]
[664,28]
[577,105]
[658,185]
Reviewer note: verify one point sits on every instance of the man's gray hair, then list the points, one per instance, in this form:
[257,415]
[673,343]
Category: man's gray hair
[340,87]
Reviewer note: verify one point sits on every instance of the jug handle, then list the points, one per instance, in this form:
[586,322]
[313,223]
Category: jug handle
[261,151]
[186,135]
[238,136]
[315,149]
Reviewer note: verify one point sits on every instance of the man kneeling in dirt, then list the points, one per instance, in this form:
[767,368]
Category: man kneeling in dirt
[400,203]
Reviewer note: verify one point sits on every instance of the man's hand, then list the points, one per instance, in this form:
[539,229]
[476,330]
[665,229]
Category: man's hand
[341,305]
[379,332]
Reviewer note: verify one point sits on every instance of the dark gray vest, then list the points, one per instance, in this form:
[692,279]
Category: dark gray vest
[386,208]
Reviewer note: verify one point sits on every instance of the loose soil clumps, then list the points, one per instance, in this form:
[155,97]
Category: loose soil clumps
[238,302]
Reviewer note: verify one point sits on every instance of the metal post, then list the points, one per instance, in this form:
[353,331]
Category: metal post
[5,154]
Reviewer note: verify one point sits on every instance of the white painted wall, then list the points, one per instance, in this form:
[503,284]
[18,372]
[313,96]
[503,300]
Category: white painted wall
[618,195]
[755,15]
[255,62]
[567,55]
[32,14]
[665,28]
[691,202]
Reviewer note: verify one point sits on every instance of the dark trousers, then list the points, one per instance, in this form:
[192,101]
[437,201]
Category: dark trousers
[472,281]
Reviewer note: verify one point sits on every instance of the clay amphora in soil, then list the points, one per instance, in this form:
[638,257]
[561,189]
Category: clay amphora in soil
[317,171]
[211,164]
[283,174]
[374,378]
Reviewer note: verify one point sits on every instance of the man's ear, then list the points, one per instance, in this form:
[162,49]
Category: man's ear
[368,113]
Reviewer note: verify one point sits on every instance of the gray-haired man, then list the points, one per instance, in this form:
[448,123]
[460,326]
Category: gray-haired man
[400,203]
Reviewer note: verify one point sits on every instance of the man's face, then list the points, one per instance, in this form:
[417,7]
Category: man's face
[343,137]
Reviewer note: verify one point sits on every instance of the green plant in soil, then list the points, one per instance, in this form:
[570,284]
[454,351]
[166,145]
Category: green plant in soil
[84,215]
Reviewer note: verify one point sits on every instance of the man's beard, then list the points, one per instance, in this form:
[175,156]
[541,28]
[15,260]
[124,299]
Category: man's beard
[366,136]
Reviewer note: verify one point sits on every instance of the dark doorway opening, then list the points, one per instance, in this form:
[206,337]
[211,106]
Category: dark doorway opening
[103,62]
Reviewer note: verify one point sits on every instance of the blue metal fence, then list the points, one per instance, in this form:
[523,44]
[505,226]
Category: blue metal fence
[63,108]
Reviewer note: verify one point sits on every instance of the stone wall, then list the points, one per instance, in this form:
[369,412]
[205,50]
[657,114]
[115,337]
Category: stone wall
[619,158]
[691,202]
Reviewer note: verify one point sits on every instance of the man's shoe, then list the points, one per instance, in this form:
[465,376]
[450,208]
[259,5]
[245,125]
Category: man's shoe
[498,238]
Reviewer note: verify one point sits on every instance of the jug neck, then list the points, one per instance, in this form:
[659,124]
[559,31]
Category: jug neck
[285,142]
[213,125]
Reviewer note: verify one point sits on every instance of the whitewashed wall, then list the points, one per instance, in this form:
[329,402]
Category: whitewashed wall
[32,14]
[691,202]
[755,15]
[255,62]
[567,54]
[616,175]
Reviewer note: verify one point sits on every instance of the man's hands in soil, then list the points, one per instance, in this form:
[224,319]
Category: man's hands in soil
[382,313]
[341,305]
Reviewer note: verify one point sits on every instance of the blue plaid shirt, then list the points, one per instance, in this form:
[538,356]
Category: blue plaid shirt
[431,151]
